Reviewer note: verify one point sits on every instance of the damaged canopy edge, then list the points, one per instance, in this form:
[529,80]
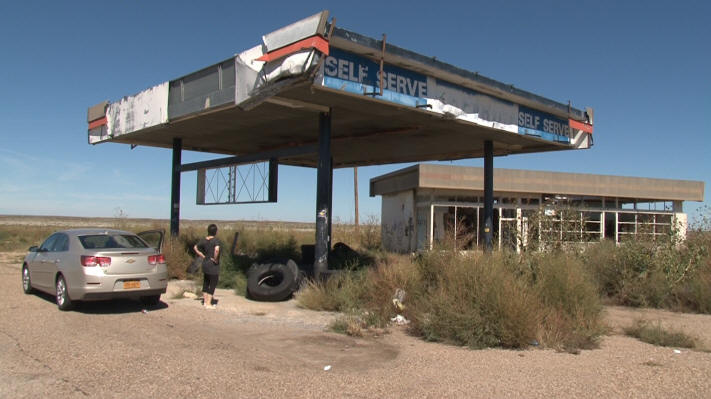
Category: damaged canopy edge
[359,75]
[345,65]
[354,41]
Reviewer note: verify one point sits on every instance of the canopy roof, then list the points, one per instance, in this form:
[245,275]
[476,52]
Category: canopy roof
[267,99]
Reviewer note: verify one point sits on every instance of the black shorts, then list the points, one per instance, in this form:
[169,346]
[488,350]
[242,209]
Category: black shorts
[209,283]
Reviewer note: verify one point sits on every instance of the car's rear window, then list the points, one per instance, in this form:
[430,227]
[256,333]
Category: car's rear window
[103,241]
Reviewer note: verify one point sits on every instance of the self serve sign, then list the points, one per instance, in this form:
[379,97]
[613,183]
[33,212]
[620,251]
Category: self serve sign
[542,122]
[350,67]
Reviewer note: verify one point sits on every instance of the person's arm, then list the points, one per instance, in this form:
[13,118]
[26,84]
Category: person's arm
[217,254]
[197,251]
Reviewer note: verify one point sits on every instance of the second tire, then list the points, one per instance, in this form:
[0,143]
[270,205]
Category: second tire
[272,281]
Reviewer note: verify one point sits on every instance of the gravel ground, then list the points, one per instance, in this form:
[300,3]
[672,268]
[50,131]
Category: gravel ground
[247,349]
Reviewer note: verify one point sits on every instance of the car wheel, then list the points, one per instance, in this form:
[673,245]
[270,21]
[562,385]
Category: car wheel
[26,282]
[63,300]
[272,281]
[151,300]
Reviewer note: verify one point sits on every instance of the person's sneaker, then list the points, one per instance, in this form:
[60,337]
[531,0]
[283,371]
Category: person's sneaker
[210,307]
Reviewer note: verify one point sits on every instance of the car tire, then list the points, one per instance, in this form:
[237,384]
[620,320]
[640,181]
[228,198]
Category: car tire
[151,300]
[26,281]
[272,281]
[62,294]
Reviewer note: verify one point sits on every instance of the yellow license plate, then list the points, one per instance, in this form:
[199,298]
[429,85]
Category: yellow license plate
[131,284]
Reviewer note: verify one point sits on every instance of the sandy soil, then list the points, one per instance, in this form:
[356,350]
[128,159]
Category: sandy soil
[252,349]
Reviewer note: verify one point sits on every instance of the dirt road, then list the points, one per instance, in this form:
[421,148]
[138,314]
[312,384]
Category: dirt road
[247,350]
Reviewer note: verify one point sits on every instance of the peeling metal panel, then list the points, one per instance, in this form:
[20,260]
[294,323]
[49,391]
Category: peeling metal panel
[470,105]
[144,110]
[258,81]
[247,70]
[355,42]
[357,74]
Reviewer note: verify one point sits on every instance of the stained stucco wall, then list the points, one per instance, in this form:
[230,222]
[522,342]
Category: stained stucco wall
[398,222]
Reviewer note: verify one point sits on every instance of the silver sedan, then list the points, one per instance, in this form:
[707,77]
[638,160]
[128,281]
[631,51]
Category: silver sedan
[96,264]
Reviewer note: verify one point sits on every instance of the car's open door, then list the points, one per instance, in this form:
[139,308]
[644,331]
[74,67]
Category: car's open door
[154,238]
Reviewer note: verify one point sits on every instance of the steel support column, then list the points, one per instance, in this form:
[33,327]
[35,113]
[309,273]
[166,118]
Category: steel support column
[324,189]
[488,194]
[330,199]
[175,187]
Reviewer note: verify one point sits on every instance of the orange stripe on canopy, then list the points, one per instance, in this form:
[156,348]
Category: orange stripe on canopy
[317,42]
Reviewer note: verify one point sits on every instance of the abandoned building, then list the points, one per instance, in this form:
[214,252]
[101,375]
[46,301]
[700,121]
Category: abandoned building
[425,204]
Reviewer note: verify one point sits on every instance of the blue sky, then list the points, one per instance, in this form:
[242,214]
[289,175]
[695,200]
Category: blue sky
[644,66]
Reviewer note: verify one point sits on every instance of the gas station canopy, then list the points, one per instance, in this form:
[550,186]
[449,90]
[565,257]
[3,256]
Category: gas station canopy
[386,105]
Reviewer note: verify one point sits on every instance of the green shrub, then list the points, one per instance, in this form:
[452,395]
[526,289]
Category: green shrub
[661,274]
[695,294]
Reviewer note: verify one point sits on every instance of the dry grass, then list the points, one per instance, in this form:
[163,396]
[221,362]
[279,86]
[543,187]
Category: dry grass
[475,301]
[655,334]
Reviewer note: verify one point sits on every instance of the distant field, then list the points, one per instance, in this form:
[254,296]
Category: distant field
[71,221]
[19,232]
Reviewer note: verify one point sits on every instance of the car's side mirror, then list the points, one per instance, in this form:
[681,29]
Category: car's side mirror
[33,248]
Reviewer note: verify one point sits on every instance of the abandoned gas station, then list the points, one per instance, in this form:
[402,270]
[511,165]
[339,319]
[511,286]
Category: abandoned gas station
[315,95]
[425,204]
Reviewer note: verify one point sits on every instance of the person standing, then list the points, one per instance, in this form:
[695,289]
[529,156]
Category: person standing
[208,249]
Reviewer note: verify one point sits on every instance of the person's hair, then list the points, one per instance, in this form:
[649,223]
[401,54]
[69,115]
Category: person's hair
[212,229]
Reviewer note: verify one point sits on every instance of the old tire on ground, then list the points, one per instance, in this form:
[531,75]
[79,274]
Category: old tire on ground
[272,281]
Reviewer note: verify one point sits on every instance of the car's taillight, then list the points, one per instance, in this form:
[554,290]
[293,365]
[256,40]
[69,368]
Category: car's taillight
[89,261]
[156,259]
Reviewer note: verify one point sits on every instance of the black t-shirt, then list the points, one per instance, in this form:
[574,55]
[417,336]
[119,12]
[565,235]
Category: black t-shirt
[207,247]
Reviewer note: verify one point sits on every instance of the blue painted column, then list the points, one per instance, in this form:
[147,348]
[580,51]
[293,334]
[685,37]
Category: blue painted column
[175,188]
[324,190]
[488,195]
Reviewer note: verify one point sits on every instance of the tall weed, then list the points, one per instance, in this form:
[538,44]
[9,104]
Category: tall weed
[572,305]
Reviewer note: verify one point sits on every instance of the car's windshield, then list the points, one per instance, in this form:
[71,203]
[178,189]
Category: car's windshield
[104,241]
